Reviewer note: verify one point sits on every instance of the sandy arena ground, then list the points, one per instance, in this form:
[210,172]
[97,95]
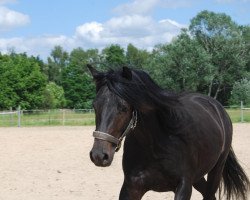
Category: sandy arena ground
[52,163]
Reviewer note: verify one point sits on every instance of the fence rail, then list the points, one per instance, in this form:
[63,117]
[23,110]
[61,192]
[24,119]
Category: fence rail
[8,113]
[80,117]
[62,117]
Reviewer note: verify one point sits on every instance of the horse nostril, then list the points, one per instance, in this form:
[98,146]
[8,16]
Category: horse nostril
[95,158]
[105,156]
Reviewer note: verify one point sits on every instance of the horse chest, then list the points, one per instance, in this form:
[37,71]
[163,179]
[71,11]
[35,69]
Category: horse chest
[153,176]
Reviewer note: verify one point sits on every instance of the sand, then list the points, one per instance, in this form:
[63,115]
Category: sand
[52,163]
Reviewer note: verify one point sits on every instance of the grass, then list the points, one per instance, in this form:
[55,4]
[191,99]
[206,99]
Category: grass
[78,118]
[235,115]
[49,118]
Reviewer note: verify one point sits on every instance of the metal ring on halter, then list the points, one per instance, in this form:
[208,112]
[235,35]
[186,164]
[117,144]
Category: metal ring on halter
[107,137]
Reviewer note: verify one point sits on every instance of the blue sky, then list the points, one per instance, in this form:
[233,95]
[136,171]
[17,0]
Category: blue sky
[35,27]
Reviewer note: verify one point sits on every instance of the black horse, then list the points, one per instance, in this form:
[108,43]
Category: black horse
[172,140]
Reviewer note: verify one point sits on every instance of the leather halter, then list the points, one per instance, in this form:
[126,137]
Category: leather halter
[117,141]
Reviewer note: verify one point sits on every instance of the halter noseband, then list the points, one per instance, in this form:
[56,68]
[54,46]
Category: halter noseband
[107,137]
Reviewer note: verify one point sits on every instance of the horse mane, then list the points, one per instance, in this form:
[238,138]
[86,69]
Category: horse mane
[141,91]
[145,96]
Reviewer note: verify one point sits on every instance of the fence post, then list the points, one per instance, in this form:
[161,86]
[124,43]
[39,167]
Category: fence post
[63,117]
[19,116]
[241,111]
[49,116]
[11,117]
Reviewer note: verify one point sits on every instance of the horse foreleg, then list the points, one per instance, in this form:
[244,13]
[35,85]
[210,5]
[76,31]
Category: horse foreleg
[183,190]
[130,192]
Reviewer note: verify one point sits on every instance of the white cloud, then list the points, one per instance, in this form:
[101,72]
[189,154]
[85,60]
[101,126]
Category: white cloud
[89,31]
[144,7]
[10,19]
[41,45]
[176,3]
[137,7]
[140,30]
[7,1]
[130,25]
[135,26]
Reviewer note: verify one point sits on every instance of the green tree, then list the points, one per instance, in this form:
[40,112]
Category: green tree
[245,30]
[182,64]
[241,92]
[54,96]
[78,85]
[80,57]
[113,57]
[21,82]
[136,57]
[158,68]
[57,61]
[222,39]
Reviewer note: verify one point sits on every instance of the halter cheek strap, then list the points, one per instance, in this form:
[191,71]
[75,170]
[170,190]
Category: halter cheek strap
[117,141]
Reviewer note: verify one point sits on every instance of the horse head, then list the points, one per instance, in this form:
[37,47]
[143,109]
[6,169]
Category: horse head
[114,119]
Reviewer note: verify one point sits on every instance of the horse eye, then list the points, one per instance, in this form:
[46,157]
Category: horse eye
[122,108]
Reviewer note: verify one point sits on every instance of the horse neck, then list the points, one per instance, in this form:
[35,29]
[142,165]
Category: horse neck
[148,127]
[154,124]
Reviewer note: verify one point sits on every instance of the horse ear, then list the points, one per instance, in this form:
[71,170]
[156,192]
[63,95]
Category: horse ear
[92,70]
[127,73]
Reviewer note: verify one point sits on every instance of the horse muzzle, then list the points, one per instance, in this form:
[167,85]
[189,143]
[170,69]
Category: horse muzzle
[102,157]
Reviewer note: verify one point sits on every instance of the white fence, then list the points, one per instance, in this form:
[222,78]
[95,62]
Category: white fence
[13,116]
[243,110]
[67,117]
[60,117]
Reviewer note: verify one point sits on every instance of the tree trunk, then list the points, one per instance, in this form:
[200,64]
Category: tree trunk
[210,88]
[217,91]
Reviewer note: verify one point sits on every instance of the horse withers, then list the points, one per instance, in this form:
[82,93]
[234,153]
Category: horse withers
[171,140]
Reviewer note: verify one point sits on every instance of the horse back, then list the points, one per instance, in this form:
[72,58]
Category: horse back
[209,122]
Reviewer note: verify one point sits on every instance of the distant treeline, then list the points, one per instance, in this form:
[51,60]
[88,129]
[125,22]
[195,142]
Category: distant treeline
[211,56]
